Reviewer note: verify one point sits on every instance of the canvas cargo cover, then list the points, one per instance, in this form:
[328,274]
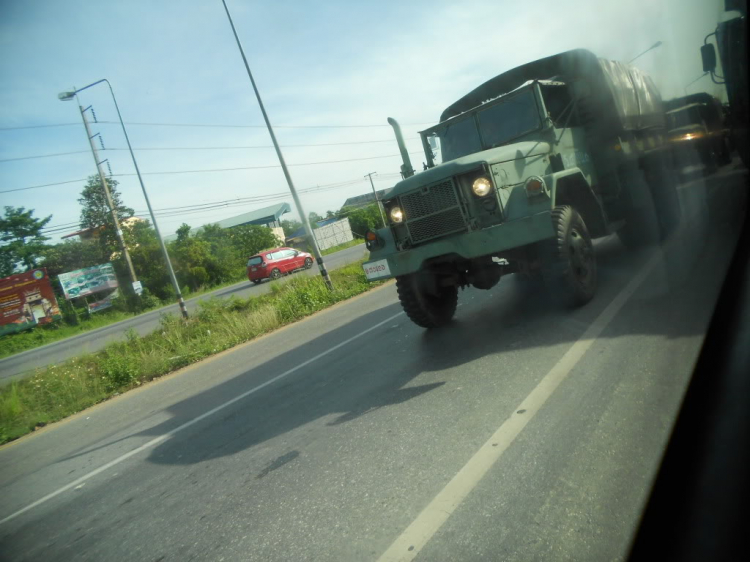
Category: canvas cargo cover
[620,97]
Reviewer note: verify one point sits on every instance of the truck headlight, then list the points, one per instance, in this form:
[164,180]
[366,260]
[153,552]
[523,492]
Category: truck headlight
[396,214]
[481,186]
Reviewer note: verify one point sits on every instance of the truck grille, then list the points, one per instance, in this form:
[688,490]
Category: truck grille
[433,212]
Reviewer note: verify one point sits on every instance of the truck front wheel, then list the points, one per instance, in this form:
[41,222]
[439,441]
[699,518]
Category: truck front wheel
[568,261]
[426,303]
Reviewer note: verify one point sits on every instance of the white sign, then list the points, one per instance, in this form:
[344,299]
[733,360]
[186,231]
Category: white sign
[137,287]
[376,269]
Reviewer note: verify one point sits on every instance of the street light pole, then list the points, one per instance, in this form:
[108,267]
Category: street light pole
[68,95]
[654,46]
[290,183]
[110,204]
[377,201]
[694,81]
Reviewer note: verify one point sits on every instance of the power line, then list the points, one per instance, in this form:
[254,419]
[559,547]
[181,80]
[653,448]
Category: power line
[214,125]
[203,148]
[226,203]
[262,167]
[212,170]
[45,155]
[43,185]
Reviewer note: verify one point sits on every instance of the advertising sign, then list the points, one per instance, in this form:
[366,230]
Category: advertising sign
[26,300]
[105,302]
[88,281]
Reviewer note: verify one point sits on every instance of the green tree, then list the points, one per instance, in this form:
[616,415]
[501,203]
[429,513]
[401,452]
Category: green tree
[290,227]
[250,239]
[314,217]
[21,239]
[363,219]
[190,258]
[148,261]
[95,211]
[71,255]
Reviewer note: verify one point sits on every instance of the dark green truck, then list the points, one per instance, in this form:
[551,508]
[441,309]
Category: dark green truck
[520,175]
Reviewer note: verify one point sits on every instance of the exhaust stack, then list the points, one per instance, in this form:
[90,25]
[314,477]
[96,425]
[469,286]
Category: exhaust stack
[406,169]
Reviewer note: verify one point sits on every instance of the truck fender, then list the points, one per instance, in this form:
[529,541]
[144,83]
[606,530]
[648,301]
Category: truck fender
[569,187]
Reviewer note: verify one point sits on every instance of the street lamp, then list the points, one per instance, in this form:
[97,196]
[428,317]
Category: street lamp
[282,162]
[652,47]
[69,95]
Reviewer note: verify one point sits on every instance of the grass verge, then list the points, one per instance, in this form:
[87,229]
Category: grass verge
[42,335]
[344,246]
[60,390]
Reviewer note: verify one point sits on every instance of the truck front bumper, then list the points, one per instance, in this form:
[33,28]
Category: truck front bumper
[386,262]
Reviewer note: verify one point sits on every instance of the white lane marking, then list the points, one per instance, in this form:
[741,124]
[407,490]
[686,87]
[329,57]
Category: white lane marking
[423,528]
[185,425]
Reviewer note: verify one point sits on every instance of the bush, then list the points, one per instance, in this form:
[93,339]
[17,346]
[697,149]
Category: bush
[69,313]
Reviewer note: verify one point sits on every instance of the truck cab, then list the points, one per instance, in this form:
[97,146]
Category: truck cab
[520,175]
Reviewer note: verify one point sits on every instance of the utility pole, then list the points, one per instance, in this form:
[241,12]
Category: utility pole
[290,183]
[377,201]
[72,94]
[111,206]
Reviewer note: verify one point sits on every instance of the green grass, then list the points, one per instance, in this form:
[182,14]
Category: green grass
[344,246]
[42,335]
[64,389]
[11,344]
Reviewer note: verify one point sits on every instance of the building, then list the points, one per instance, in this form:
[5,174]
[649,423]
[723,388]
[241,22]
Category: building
[366,199]
[267,216]
[329,233]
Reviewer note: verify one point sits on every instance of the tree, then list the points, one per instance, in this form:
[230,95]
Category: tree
[148,260]
[95,211]
[363,219]
[21,239]
[314,217]
[71,255]
[250,239]
[290,227]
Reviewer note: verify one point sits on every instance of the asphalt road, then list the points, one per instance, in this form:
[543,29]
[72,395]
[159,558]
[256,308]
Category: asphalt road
[18,365]
[519,432]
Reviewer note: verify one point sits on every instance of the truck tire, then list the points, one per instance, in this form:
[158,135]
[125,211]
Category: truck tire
[425,309]
[568,260]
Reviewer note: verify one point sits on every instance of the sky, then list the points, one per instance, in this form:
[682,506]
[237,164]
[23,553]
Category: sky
[330,74]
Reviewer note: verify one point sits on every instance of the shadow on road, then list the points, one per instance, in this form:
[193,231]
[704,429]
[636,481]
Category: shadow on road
[376,372]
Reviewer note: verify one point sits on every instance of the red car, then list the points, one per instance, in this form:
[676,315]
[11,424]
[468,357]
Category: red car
[272,264]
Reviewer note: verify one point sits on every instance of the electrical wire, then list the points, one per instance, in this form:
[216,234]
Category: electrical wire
[166,148]
[262,167]
[212,170]
[144,124]
[227,203]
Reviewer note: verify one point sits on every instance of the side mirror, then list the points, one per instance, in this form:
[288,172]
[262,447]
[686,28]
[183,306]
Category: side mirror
[708,54]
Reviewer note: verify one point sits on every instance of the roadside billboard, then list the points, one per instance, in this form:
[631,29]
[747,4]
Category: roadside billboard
[87,281]
[104,302]
[26,300]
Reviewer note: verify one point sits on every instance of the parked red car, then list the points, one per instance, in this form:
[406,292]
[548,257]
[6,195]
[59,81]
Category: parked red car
[272,264]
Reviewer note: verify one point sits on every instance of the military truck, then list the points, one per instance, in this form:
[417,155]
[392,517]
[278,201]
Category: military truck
[520,175]
[731,38]
[697,131]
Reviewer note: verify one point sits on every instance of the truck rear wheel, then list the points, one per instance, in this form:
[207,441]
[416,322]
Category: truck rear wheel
[568,261]
[426,308]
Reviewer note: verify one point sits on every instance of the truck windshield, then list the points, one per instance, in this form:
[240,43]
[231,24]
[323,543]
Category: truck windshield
[487,128]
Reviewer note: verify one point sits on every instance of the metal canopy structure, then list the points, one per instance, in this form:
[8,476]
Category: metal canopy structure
[264,216]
